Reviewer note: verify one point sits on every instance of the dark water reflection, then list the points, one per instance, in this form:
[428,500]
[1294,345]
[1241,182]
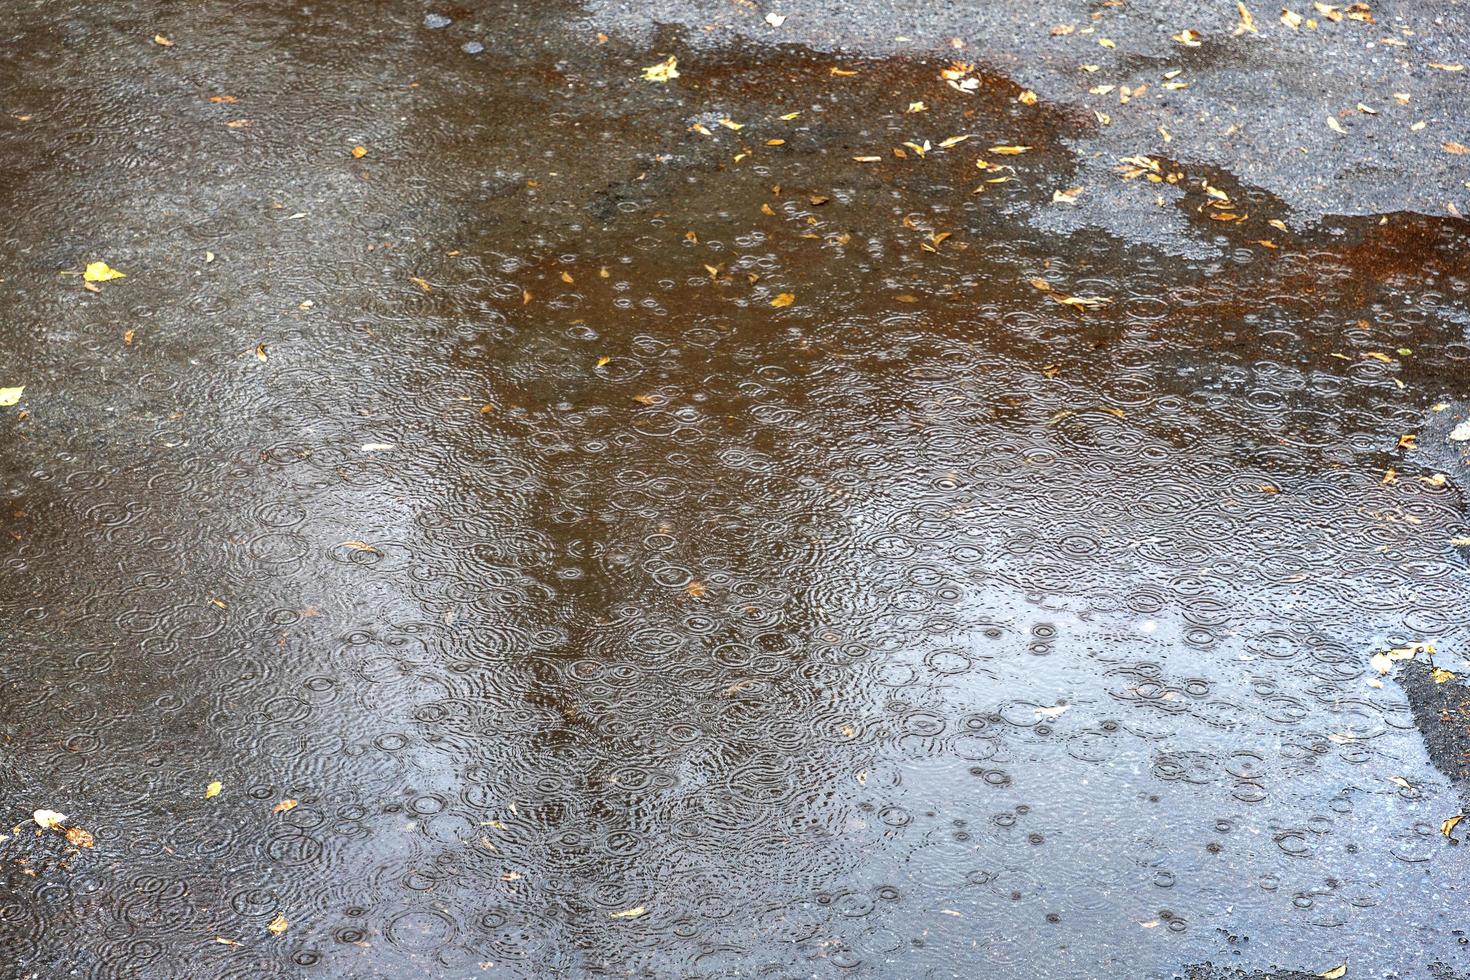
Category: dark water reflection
[926,626]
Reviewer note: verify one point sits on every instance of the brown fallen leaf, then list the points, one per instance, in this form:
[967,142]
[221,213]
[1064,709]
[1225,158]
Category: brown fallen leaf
[1459,149]
[696,589]
[1448,826]
[421,283]
[227,99]
[78,837]
[284,806]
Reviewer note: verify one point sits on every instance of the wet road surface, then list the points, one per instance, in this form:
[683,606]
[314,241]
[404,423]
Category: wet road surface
[589,526]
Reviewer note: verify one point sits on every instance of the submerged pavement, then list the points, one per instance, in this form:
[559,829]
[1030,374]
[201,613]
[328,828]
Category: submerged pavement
[841,509]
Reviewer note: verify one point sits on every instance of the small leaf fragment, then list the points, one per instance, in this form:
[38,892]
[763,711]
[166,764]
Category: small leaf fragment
[783,299]
[162,41]
[1336,973]
[1448,826]
[277,925]
[284,806]
[359,151]
[11,396]
[213,789]
[1441,675]
[632,913]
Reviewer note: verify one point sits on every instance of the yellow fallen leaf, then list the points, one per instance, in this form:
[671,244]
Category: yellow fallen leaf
[359,151]
[227,942]
[632,913]
[841,72]
[48,819]
[1444,67]
[162,41]
[1441,675]
[1334,125]
[783,299]
[952,141]
[790,116]
[283,806]
[1336,973]
[213,789]
[602,361]
[917,107]
[277,925]
[663,71]
[101,272]
[1247,22]
[732,124]
[261,354]
[77,837]
[1186,37]
[10,396]
[421,283]
[1291,18]
[1009,151]
[1027,97]
[1449,825]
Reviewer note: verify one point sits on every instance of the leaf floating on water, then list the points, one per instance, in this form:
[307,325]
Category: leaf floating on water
[632,913]
[284,806]
[783,299]
[663,71]
[78,837]
[1400,782]
[48,819]
[227,942]
[1009,151]
[278,925]
[101,272]
[1441,675]
[1336,973]
[11,396]
[359,546]
[421,283]
[213,789]
[1082,302]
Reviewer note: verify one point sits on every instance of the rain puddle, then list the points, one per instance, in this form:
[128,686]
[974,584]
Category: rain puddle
[713,529]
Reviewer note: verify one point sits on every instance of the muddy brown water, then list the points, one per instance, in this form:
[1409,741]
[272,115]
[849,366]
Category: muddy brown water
[605,619]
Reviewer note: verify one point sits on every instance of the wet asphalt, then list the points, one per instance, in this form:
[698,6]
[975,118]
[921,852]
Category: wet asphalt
[921,492]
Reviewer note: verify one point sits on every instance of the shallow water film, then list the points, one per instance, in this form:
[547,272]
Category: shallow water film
[508,492]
